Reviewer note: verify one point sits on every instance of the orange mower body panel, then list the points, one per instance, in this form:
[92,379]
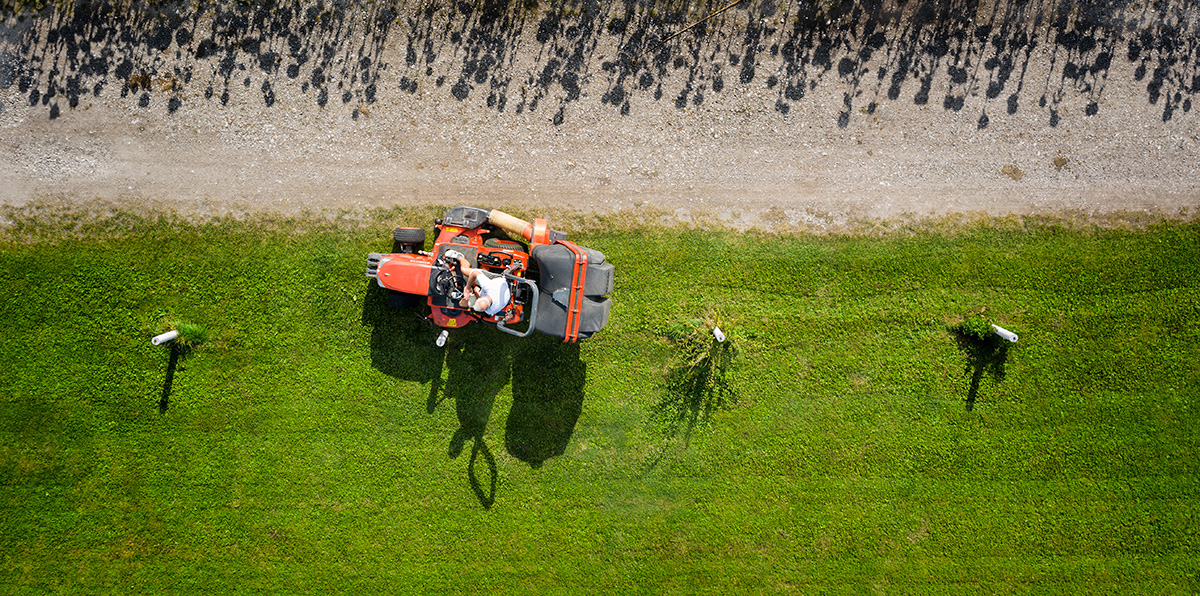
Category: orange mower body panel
[406,273]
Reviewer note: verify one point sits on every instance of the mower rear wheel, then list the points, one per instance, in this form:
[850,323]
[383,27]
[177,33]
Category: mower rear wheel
[505,244]
[409,236]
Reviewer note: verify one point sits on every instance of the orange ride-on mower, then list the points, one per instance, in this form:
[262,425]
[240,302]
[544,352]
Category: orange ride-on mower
[555,286]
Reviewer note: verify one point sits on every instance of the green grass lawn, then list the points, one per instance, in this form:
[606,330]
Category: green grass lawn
[319,442]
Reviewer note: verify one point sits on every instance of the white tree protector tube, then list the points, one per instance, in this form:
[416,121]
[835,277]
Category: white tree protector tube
[1005,333]
[718,334]
[163,338]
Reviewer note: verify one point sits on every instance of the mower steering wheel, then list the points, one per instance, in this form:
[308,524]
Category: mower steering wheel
[451,281]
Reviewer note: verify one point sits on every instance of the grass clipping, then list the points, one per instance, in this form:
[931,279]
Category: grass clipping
[697,383]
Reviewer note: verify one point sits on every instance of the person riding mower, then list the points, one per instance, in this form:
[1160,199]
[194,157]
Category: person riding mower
[489,267]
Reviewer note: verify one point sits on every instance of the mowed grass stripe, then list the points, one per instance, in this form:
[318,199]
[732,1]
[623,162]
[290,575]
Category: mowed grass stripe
[299,452]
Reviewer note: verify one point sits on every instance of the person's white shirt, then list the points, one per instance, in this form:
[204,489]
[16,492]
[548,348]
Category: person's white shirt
[494,289]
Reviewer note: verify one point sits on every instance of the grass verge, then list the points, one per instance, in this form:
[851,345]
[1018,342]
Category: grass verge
[320,442]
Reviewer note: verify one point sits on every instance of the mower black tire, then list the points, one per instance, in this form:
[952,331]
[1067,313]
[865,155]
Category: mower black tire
[504,244]
[409,236]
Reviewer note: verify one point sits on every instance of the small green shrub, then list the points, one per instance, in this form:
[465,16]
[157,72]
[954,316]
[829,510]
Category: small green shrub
[191,335]
[697,383]
[976,326]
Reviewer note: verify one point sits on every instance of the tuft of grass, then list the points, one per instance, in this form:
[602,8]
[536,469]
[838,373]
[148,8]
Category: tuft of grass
[976,326]
[191,335]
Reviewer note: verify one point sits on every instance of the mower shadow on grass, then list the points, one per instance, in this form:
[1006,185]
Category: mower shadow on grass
[478,364]
[984,356]
[547,379]
[402,342]
[547,388]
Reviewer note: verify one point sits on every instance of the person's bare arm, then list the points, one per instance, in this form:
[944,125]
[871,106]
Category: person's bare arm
[471,284]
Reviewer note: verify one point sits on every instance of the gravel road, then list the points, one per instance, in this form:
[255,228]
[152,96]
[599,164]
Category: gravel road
[804,115]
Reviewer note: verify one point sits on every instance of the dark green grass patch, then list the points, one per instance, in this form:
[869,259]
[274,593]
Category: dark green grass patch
[318,441]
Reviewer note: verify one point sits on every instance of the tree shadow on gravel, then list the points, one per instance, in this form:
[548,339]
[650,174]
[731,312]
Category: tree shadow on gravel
[519,55]
[167,53]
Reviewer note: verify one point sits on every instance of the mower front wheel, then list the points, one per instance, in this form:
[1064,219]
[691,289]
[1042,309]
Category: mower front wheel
[409,240]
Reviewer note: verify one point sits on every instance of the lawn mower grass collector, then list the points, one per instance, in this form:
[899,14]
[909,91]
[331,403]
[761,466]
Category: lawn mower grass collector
[556,287]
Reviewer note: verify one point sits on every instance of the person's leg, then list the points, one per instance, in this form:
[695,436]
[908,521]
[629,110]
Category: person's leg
[474,282]
[473,295]
[493,291]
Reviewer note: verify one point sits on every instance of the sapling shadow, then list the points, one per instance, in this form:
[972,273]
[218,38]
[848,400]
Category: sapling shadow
[985,353]
[172,362]
[697,384]
[191,337]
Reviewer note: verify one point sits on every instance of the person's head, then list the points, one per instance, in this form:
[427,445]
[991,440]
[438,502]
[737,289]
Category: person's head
[482,304]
